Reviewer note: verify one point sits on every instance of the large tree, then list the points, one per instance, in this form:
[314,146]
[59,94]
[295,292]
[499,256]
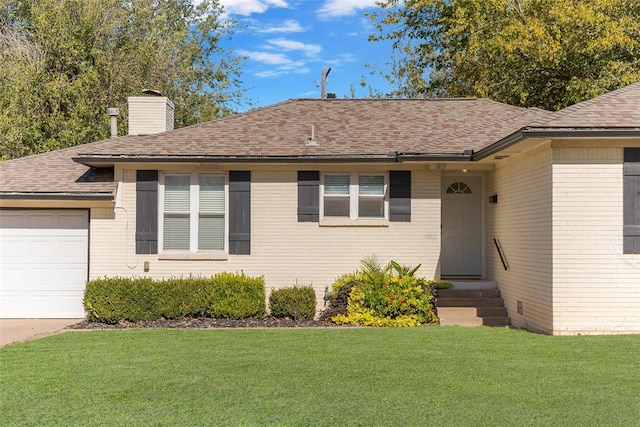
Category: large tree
[543,53]
[64,62]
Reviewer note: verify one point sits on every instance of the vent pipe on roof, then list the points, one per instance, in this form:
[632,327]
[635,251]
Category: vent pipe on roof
[113,118]
[323,82]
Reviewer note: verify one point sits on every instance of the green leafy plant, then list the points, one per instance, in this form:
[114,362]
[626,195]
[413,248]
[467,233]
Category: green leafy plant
[224,295]
[384,296]
[237,296]
[293,302]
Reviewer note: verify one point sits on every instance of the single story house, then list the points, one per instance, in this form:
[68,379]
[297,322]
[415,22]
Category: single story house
[545,204]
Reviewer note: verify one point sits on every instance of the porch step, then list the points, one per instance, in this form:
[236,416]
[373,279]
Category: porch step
[472,307]
[472,284]
[470,302]
[468,293]
[467,316]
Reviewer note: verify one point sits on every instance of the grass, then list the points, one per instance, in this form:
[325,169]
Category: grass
[356,377]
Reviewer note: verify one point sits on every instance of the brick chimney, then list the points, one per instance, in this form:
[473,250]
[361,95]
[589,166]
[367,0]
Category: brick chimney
[149,114]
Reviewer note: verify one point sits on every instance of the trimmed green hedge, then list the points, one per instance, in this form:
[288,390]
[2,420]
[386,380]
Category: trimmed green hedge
[224,295]
[294,302]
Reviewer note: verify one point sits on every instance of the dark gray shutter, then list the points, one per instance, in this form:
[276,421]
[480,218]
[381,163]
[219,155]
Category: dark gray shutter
[308,196]
[240,212]
[147,212]
[631,188]
[400,196]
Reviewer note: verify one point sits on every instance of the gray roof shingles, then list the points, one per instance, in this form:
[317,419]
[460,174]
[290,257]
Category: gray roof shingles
[54,173]
[344,128]
[616,109]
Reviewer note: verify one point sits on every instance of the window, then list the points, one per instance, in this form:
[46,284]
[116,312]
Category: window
[354,196]
[459,188]
[337,197]
[193,212]
[631,196]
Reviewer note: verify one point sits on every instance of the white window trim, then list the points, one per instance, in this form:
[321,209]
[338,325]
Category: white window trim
[354,220]
[194,213]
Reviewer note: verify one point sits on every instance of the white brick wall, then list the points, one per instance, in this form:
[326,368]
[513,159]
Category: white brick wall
[563,241]
[596,286]
[285,251]
[521,220]
[149,115]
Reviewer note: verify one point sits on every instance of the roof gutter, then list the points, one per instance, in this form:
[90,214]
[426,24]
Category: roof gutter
[107,160]
[408,157]
[529,132]
[56,196]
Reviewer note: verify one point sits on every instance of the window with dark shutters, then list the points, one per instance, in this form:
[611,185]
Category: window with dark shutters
[308,196]
[400,196]
[631,191]
[147,212]
[240,212]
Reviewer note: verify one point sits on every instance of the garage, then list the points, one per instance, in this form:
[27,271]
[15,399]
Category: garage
[44,258]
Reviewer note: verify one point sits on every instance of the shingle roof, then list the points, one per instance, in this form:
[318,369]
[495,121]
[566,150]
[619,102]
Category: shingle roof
[616,109]
[54,173]
[341,127]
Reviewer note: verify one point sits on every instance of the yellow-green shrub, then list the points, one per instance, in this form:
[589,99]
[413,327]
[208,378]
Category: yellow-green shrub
[294,302]
[385,297]
[228,295]
[236,296]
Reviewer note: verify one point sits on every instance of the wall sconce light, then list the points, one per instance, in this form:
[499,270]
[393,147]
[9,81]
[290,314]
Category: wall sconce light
[146,266]
[493,199]
[465,170]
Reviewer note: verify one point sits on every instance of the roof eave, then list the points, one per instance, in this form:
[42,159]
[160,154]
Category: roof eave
[8,195]
[391,157]
[534,132]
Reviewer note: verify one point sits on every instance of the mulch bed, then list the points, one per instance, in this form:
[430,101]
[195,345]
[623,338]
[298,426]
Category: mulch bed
[207,323]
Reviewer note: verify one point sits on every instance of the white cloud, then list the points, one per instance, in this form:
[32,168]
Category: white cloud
[288,26]
[280,64]
[247,7]
[336,8]
[269,58]
[280,72]
[292,45]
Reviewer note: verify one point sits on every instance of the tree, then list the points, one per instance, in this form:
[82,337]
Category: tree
[543,53]
[64,62]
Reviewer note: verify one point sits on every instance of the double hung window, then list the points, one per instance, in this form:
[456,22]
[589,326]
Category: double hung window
[354,196]
[193,214]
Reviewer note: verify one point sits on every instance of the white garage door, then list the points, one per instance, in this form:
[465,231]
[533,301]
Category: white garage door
[43,263]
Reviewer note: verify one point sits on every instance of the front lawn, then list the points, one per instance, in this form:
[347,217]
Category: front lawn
[336,377]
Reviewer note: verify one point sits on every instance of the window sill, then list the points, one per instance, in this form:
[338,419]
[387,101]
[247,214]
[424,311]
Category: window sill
[193,256]
[346,222]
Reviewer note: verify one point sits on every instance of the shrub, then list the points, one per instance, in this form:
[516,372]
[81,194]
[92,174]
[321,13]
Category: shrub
[234,296]
[339,295]
[392,296]
[294,302]
[111,300]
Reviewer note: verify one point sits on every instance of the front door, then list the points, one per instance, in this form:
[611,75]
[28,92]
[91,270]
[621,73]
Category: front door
[461,254]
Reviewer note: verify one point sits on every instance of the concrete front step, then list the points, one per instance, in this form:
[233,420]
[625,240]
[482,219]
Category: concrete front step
[470,302]
[470,316]
[468,293]
[472,284]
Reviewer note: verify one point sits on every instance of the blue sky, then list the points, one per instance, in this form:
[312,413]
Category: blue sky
[288,42]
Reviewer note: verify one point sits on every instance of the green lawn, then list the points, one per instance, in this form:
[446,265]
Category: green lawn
[445,376]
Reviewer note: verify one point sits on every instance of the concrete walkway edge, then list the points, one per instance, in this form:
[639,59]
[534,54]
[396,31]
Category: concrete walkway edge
[19,330]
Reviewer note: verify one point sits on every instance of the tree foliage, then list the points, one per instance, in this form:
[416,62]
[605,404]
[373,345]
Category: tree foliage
[64,62]
[543,53]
